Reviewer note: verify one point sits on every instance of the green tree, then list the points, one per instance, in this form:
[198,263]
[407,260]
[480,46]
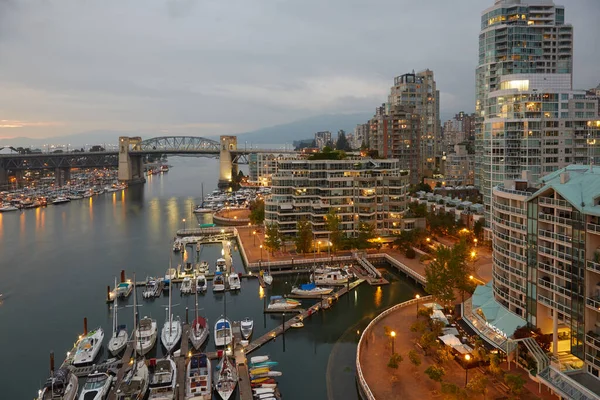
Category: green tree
[478,384]
[365,234]
[449,270]
[444,355]
[428,342]
[304,236]
[342,141]
[452,391]
[435,373]
[515,384]
[418,326]
[494,366]
[272,238]
[332,224]
[257,212]
[414,357]
[395,360]
[478,229]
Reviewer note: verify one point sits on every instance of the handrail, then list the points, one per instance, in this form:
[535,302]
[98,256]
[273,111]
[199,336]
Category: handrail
[361,379]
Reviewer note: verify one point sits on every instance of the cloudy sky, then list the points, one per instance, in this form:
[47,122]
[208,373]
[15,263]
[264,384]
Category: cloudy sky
[225,66]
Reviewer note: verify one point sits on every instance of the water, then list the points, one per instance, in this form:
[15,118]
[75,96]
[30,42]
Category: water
[56,262]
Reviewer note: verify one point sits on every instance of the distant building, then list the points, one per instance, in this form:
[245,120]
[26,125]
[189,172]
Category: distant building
[457,130]
[322,139]
[361,135]
[459,166]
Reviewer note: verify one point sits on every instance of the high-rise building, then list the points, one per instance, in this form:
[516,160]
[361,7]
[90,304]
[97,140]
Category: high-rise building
[458,166]
[419,91]
[322,139]
[528,115]
[361,135]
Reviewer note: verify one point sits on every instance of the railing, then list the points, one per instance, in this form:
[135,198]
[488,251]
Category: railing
[593,227]
[593,302]
[565,386]
[593,266]
[554,202]
[592,340]
[364,389]
[400,266]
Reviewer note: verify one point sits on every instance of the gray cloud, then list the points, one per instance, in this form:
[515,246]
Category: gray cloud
[228,66]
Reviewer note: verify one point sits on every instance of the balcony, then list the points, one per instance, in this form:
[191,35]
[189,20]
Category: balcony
[593,303]
[593,266]
[594,228]
[555,202]
[593,340]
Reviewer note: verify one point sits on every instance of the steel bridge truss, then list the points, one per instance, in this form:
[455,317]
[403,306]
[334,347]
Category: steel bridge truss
[67,160]
[178,144]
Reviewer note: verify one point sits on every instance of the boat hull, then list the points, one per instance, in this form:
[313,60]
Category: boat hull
[117,343]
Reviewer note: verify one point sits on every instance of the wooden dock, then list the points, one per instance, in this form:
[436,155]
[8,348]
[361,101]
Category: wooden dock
[125,366]
[180,361]
[244,386]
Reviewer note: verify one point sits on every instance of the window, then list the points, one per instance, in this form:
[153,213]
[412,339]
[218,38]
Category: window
[564,96]
[579,105]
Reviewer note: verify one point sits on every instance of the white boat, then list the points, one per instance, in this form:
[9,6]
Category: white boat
[162,380]
[203,267]
[134,385]
[201,284]
[169,276]
[88,347]
[118,341]
[62,385]
[151,289]
[75,197]
[145,335]
[110,189]
[268,278]
[218,282]
[234,281]
[171,331]
[334,277]
[198,332]
[186,285]
[202,210]
[281,303]
[96,386]
[188,268]
[198,378]
[124,289]
[247,326]
[311,289]
[221,265]
[259,359]
[178,246]
[297,325]
[61,200]
[223,332]
[7,208]
[226,377]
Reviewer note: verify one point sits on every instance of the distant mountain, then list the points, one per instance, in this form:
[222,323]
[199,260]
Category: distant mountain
[304,128]
[76,140]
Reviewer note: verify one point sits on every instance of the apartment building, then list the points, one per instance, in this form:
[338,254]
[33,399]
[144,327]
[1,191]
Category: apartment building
[322,139]
[360,190]
[261,167]
[458,167]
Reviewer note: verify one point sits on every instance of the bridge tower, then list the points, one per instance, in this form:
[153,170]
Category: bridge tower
[228,144]
[131,167]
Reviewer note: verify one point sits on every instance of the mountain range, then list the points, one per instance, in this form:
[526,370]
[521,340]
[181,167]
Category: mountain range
[278,134]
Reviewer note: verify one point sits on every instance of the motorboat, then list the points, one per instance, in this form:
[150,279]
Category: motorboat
[188,268]
[267,278]
[8,207]
[75,196]
[118,341]
[162,380]
[281,303]
[234,281]
[169,276]
[164,168]
[124,289]
[151,289]
[198,332]
[62,385]
[145,335]
[311,289]
[134,385]
[178,246]
[198,378]
[202,210]
[203,267]
[96,387]
[171,332]
[88,347]
[247,326]
[201,284]
[223,332]
[221,265]
[218,282]
[226,377]
[334,277]
[298,324]
[186,285]
[61,200]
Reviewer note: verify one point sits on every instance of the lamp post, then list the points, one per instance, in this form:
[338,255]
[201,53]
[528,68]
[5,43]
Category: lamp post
[467,358]
[417,297]
[393,335]
[183,220]
[254,234]
[261,252]
[319,247]
[249,230]
[283,329]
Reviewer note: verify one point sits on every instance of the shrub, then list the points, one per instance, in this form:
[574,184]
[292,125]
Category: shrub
[410,253]
[414,358]
[395,360]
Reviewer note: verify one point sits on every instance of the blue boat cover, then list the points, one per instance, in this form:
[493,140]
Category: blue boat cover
[308,286]
[223,325]
[218,273]
[276,297]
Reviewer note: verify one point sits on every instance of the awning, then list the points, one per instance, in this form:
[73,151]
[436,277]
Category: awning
[450,340]
[496,315]
[435,306]
[437,314]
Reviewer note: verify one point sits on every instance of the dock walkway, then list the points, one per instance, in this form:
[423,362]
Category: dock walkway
[125,366]
[244,386]
[180,361]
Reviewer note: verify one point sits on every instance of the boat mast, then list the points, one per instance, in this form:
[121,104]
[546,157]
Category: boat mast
[135,322]
[116,305]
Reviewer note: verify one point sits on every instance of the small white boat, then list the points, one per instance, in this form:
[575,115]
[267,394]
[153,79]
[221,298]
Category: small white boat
[171,331]
[259,359]
[221,265]
[268,279]
[134,385]
[178,246]
[88,347]
[7,208]
[234,281]
[203,267]
[62,385]
[96,386]
[162,380]
[202,210]
[218,282]
[297,325]
[146,335]
[61,200]
[247,326]
[188,268]
[186,285]
[124,289]
[282,303]
[311,289]
[223,332]
[198,379]
[151,289]
[201,284]
[75,197]
[226,378]
[334,277]
[169,276]
[118,341]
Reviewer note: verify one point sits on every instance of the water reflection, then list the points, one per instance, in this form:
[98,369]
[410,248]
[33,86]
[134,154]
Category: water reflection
[91,208]
[378,296]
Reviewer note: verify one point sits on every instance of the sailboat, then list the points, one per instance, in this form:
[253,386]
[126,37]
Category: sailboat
[267,277]
[144,334]
[118,341]
[198,382]
[171,331]
[200,208]
[226,377]
[199,330]
[223,332]
[62,384]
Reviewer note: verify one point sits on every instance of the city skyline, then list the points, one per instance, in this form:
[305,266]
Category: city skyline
[176,68]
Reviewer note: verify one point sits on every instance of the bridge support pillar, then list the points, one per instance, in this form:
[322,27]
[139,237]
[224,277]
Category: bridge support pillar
[228,144]
[58,177]
[131,167]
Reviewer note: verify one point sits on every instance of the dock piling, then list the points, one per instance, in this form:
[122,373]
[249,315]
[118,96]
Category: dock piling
[85,331]
[52,363]
[187,319]
[108,293]
[122,275]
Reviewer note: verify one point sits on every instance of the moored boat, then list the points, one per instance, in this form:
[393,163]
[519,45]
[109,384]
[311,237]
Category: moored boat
[218,282]
[333,277]
[186,285]
[234,281]
[221,265]
[311,289]
[247,326]
[171,331]
[88,347]
[226,377]
[146,335]
[162,379]
[198,379]
[223,332]
[62,385]
[96,386]
[201,284]
[118,341]
[281,303]
[124,289]
[134,385]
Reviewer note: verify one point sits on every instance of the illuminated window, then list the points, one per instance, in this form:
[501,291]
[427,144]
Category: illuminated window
[521,85]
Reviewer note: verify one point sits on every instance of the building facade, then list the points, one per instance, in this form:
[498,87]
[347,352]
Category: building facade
[361,190]
[261,167]
[458,167]
[322,139]
[361,135]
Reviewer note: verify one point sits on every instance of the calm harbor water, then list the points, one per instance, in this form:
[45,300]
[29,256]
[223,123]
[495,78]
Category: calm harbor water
[56,262]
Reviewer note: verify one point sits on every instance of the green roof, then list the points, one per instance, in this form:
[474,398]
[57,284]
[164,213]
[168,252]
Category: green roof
[582,189]
[495,313]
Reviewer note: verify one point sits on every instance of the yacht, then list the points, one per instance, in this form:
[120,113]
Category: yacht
[202,268]
[281,303]
[221,265]
[218,282]
[124,289]
[226,377]
[202,210]
[201,284]
[134,385]
[171,331]
[169,275]
[145,335]
[61,200]
[118,341]
[151,289]
[186,285]
[7,207]
[234,281]
[198,382]
[334,277]
[62,385]
[88,347]
[96,387]
[247,326]
[223,333]
[311,289]
[162,379]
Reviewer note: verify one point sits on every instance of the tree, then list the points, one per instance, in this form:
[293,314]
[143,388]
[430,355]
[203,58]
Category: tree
[333,226]
[435,373]
[515,383]
[257,212]
[452,391]
[410,253]
[304,236]
[365,233]
[478,229]
[444,355]
[414,357]
[494,366]
[395,359]
[417,210]
[418,326]
[428,342]
[478,384]
[342,141]
[272,238]
[448,271]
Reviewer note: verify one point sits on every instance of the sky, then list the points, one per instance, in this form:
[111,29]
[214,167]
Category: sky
[211,67]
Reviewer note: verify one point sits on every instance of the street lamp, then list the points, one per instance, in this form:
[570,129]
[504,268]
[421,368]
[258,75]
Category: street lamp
[475,241]
[261,252]
[417,297]
[254,234]
[183,220]
[467,359]
[393,335]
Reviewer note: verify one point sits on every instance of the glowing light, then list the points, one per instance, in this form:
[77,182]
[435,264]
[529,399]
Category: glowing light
[393,334]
